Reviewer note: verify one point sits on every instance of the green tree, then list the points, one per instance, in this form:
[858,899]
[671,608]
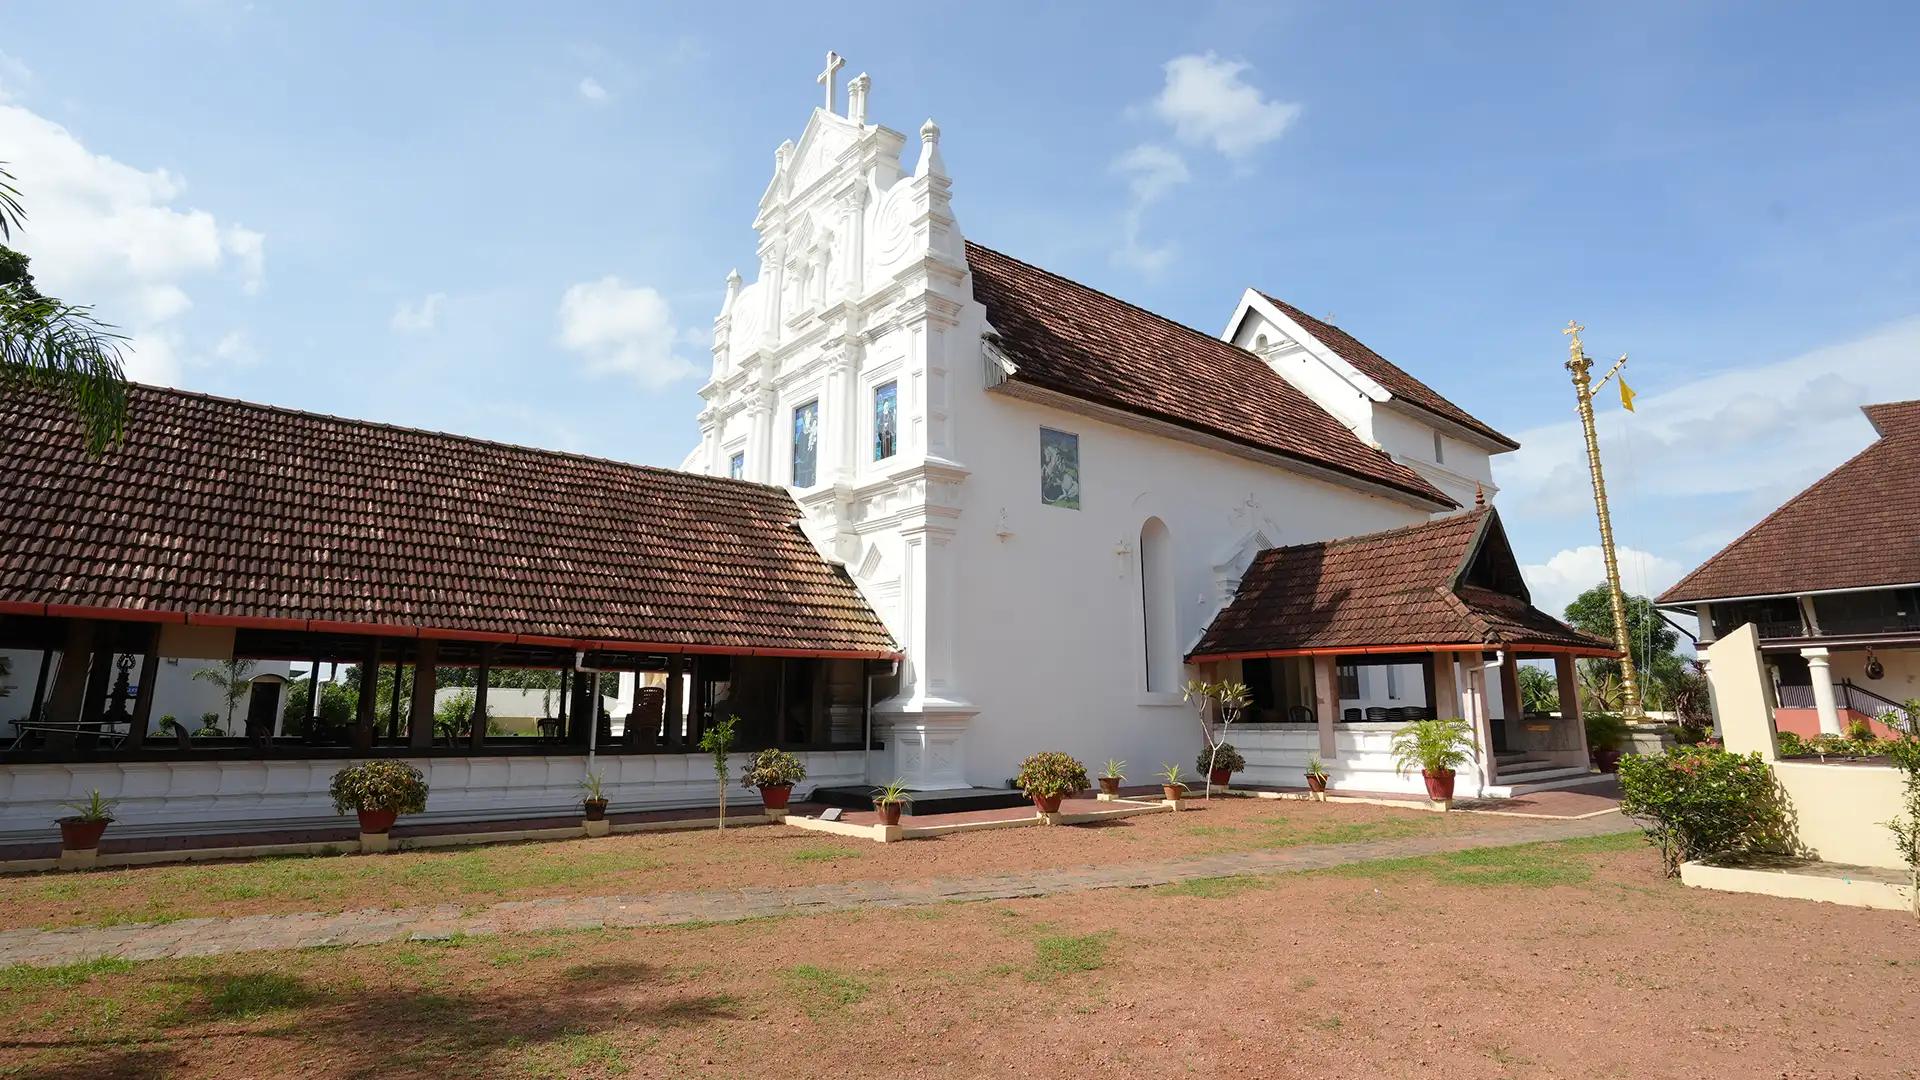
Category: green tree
[1664,674]
[235,680]
[51,345]
[1539,690]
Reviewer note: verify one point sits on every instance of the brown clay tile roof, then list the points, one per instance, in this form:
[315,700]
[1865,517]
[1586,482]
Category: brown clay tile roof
[1074,340]
[1386,372]
[224,508]
[1451,581]
[1854,528]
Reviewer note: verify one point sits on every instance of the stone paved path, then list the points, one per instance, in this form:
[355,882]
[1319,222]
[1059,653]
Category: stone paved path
[208,937]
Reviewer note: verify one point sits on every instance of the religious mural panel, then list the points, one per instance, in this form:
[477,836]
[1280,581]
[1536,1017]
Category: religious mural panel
[1060,468]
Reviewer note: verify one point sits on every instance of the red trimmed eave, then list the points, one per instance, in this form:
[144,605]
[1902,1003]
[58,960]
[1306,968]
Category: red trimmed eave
[1365,650]
[325,626]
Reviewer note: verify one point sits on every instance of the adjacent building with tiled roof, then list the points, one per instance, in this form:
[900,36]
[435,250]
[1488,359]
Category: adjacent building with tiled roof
[1831,583]
[214,511]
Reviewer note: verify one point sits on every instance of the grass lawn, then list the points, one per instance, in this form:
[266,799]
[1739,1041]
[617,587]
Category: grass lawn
[1567,959]
[634,864]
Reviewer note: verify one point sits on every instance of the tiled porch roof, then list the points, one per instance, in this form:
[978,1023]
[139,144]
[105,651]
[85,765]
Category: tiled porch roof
[1452,582]
[225,511]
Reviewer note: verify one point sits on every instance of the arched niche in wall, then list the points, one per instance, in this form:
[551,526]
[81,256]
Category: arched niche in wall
[1160,647]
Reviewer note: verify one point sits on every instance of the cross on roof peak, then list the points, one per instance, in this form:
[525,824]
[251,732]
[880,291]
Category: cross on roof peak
[826,78]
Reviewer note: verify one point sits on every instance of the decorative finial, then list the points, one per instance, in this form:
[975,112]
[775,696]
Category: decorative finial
[1479,497]
[1574,349]
[930,161]
[857,97]
[781,154]
[834,63]
[733,291]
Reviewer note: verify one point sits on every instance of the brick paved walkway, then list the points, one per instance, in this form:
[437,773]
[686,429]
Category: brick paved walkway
[208,937]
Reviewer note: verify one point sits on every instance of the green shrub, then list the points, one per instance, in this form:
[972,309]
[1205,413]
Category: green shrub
[379,785]
[1434,746]
[1697,803]
[1219,756]
[1792,745]
[1903,752]
[1049,773]
[773,768]
[1606,731]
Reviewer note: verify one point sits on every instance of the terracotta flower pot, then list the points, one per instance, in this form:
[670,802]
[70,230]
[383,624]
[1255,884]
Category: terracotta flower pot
[1439,784]
[1220,777]
[1316,784]
[377,821]
[1109,785]
[1172,791]
[594,809]
[1607,761]
[78,834]
[1048,804]
[775,797]
[889,813]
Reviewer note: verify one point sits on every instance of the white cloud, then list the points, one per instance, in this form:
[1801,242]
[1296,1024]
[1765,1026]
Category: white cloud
[236,349]
[1152,172]
[1572,571]
[622,329]
[15,76]
[1757,433]
[591,90]
[110,234]
[1208,103]
[420,316]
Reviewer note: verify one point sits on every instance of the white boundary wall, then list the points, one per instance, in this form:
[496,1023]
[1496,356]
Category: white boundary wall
[187,797]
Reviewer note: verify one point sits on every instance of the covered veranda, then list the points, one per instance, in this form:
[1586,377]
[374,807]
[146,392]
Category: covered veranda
[1341,643]
[398,562]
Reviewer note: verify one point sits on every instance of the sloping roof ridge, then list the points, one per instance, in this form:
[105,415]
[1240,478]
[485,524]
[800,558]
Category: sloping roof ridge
[1315,325]
[498,444]
[1879,443]
[1170,321]
[1448,520]
[1473,618]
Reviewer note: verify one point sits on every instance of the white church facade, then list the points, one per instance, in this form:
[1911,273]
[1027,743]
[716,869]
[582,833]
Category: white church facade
[1047,493]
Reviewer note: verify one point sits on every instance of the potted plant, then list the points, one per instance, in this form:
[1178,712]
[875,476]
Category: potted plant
[1316,775]
[1049,776]
[1606,734]
[1436,747]
[81,830]
[1111,776]
[1219,762]
[379,792]
[594,806]
[889,800]
[1170,783]
[774,772]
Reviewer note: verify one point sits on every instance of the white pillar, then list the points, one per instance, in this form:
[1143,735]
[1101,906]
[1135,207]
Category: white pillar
[1477,718]
[1326,704]
[1823,689]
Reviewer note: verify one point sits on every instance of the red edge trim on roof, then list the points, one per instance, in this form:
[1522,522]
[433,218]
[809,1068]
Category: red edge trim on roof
[1365,650]
[321,626]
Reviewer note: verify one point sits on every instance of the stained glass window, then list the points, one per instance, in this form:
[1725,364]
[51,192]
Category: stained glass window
[1060,468]
[737,466]
[806,443]
[886,420]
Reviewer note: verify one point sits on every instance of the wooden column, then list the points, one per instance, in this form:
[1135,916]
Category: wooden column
[367,708]
[1429,683]
[393,701]
[38,709]
[95,705]
[1573,730]
[566,693]
[313,700]
[676,702]
[477,727]
[70,681]
[1326,704]
[143,698]
[586,687]
[420,709]
[1513,710]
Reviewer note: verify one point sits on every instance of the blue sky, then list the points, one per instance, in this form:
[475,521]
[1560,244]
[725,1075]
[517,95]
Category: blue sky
[409,212]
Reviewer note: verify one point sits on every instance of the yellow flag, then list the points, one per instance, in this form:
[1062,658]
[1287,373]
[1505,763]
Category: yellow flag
[1626,396]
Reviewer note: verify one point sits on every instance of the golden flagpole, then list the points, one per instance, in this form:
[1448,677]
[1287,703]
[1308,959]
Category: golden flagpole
[1580,366]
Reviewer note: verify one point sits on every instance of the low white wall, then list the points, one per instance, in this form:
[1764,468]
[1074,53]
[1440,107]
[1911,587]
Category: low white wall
[1840,810]
[170,798]
[1363,760]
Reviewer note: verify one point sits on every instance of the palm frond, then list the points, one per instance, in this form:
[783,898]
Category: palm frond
[48,344]
[12,214]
